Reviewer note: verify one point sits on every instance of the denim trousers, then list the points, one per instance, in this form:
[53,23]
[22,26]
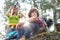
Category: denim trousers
[26,31]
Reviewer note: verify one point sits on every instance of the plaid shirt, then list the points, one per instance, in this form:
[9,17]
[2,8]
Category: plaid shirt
[41,22]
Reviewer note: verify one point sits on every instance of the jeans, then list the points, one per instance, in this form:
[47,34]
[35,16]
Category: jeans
[35,27]
[26,31]
[23,31]
[10,30]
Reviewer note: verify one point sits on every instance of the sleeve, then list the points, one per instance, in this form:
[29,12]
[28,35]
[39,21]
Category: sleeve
[41,22]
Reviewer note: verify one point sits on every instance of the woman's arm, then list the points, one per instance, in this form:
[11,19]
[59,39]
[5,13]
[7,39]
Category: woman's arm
[32,19]
[7,13]
[19,25]
[20,14]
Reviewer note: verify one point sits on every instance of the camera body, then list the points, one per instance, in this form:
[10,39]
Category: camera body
[16,4]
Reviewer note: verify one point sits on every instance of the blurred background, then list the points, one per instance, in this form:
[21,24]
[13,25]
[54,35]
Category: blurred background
[47,8]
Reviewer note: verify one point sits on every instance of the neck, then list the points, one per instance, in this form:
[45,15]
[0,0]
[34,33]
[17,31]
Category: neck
[14,14]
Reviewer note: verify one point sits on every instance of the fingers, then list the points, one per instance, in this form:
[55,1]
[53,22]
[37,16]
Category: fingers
[19,25]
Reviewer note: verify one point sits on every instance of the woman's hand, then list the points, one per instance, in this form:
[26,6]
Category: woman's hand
[19,25]
[11,7]
[32,19]
[7,13]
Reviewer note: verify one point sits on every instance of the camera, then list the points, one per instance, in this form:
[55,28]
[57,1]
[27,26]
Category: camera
[15,4]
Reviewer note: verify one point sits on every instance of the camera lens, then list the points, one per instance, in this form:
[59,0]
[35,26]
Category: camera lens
[14,6]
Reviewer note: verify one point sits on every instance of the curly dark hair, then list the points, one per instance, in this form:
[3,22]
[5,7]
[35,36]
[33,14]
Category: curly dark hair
[31,11]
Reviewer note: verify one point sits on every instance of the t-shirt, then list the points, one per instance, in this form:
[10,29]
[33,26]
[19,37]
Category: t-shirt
[13,20]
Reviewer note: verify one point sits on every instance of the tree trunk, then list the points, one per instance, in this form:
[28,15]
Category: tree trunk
[35,5]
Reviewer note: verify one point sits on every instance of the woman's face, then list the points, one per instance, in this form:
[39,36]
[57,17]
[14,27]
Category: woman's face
[34,14]
[15,10]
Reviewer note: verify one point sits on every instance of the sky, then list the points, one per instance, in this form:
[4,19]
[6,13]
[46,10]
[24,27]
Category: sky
[1,5]
[1,18]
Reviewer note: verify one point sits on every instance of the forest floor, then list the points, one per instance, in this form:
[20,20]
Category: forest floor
[46,36]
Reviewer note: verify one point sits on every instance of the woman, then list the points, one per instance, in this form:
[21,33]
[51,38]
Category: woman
[30,27]
[13,15]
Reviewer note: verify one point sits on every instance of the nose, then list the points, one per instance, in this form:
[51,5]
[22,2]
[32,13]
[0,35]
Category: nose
[34,13]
